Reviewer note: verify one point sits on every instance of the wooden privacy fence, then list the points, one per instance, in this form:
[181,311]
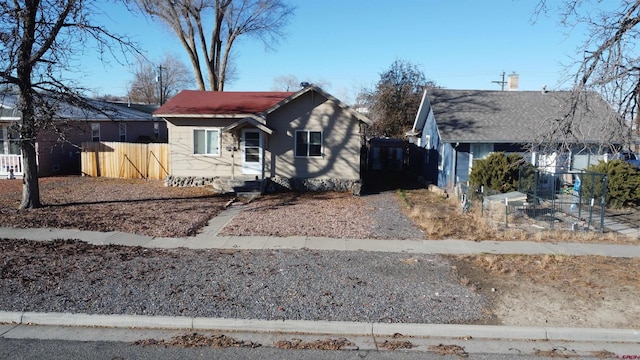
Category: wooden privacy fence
[125,160]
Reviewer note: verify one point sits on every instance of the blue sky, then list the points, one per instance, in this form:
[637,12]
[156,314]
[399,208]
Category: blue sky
[346,44]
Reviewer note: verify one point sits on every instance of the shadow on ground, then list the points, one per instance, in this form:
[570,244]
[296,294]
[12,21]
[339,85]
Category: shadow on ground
[375,182]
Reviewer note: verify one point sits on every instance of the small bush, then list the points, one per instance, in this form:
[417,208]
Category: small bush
[623,183]
[498,172]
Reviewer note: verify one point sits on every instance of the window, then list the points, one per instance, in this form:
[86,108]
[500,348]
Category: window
[9,142]
[308,143]
[441,157]
[123,131]
[206,142]
[156,130]
[95,132]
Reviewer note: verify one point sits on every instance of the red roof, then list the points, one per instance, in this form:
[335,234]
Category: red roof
[195,102]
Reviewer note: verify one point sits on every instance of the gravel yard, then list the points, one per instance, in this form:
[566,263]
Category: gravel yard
[334,215]
[71,276]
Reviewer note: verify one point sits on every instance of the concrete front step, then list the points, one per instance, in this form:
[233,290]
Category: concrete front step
[238,186]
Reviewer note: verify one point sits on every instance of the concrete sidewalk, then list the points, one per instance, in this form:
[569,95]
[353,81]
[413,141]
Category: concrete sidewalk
[209,238]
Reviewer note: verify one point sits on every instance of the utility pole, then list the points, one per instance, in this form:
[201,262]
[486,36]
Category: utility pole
[160,83]
[502,83]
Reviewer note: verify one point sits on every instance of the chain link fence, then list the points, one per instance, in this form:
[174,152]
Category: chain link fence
[545,200]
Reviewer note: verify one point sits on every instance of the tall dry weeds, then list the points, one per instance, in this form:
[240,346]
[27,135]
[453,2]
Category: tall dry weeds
[441,218]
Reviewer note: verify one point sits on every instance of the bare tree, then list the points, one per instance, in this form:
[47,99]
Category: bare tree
[292,83]
[606,63]
[37,40]
[394,102]
[156,84]
[229,20]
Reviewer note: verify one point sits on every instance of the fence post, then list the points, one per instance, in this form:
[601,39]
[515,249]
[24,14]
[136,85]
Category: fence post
[506,214]
[603,202]
[482,200]
[593,200]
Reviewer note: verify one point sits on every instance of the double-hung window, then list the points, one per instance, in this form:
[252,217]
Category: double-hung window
[122,129]
[95,132]
[206,142]
[308,143]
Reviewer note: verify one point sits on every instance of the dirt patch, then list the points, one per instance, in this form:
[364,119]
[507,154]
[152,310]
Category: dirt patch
[556,290]
[105,204]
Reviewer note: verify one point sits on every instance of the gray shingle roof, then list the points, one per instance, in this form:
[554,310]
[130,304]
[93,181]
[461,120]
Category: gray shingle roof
[94,110]
[517,116]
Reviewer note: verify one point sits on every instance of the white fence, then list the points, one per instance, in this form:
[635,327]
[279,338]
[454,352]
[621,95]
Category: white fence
[10,162]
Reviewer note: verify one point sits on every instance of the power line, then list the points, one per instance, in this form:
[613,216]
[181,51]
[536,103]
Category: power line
[502,83]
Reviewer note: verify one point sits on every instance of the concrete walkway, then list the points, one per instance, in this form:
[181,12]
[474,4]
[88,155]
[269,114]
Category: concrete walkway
[209,238]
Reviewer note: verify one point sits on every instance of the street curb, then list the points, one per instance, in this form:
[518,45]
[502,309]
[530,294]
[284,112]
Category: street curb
[338,328]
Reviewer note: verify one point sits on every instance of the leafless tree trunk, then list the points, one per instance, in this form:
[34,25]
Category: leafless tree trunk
[37,38]
[263,19]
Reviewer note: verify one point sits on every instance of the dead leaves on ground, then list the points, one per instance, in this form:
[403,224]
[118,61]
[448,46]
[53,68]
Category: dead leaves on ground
[197,340]
[326,344]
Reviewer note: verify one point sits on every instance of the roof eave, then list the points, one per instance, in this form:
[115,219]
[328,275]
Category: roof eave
[251,120]
[330,97]
[219,116]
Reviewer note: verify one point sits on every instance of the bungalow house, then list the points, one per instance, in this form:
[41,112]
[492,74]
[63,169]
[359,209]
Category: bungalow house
[302,140]
[456,127]
[59,146]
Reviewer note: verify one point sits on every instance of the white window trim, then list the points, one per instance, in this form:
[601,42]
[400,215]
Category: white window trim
[441,156]
[295,144]
[206,139]
[93,138]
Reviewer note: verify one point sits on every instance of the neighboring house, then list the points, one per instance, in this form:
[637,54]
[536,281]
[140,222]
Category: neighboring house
[59,146]
[455,127]
[304,139]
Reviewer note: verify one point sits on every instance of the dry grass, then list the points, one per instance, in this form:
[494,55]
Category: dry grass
[441,218]
[583,276]
[556,290]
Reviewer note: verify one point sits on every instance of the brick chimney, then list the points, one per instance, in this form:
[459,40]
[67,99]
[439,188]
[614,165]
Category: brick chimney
[512,82]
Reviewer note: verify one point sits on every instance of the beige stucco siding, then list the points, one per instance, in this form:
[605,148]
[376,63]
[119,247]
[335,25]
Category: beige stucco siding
[340,140]
[185,163]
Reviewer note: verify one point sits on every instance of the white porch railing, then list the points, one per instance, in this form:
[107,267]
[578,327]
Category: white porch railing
[10,162]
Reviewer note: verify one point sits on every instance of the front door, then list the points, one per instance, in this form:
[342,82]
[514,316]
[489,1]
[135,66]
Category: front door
[251,152]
